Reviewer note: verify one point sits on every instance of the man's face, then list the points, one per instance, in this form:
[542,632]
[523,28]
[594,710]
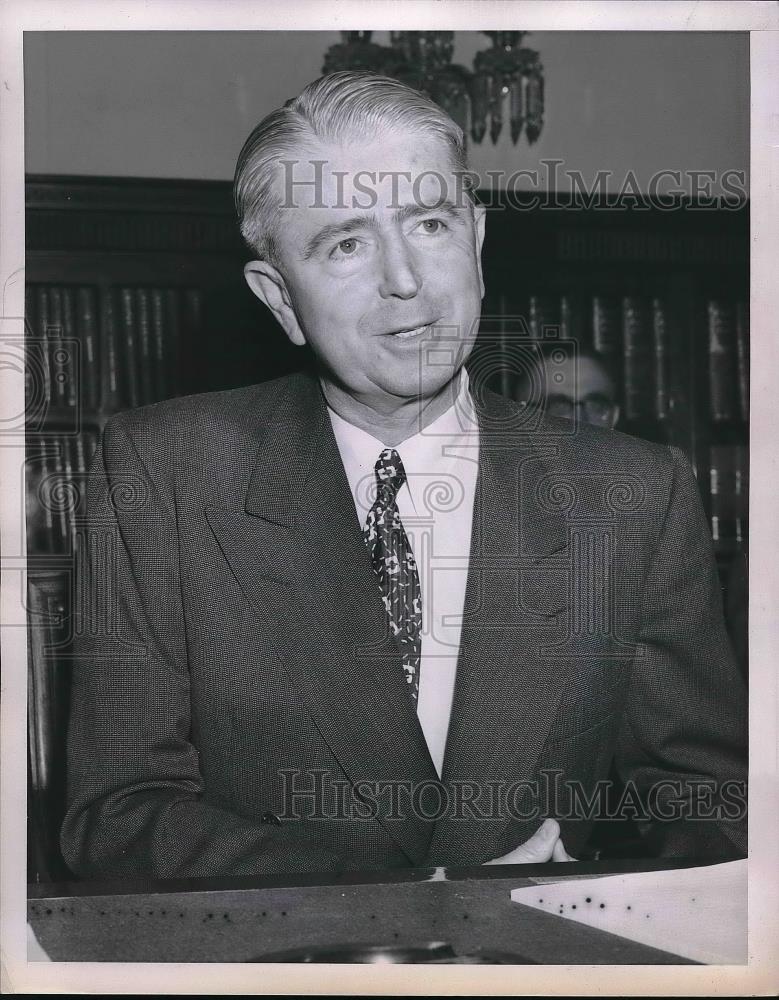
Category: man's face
[375,273]
[581,384]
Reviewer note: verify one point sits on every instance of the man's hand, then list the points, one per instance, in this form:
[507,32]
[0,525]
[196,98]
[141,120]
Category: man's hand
[544,845]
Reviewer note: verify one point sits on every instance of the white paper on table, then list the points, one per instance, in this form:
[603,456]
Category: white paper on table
[697,913]
[34,951]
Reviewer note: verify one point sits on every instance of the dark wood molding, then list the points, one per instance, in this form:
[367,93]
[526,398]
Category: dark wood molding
[131,214]
[63,191]
[115,214]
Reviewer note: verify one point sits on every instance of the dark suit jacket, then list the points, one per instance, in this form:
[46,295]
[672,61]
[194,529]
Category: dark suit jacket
[234,647]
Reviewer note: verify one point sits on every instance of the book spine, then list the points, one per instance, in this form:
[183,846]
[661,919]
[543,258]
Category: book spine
[79,455]
[636,359]
[86,322]
[742,359]
[129,345]
[54,334]
[79,471]
[721,349]
[158,335]
[544,317]
[36,388]
[145,360]
[173,350]
[572,324]
[605,326]
[62,520]
[67,450]
[111,389]
[662,395]
[70,365]
[42,311]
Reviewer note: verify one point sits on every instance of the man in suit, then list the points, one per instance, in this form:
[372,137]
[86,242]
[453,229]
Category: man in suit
[376,616]
[576,386]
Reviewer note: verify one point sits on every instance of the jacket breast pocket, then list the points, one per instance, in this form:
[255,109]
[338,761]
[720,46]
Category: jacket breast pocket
[543,592]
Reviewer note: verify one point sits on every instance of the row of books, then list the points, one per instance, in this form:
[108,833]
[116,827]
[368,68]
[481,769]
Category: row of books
[630,334]
[57,464]
[119,347]
[645,358]
[636,338]
[108,348]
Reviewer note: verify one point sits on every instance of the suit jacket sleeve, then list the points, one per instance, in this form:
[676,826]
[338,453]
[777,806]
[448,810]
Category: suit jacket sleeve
[684,730]
[135,796]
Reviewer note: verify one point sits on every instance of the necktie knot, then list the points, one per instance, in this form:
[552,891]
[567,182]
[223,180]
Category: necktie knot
[390,474]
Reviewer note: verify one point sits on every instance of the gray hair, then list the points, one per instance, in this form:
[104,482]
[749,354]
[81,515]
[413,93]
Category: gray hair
[345,105]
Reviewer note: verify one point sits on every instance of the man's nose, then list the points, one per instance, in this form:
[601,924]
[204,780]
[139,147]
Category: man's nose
[400,276]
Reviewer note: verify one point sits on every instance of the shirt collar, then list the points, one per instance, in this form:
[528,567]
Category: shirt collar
[434,449]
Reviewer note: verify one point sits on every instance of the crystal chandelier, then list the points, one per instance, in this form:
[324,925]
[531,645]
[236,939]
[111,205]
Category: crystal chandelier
[505,76]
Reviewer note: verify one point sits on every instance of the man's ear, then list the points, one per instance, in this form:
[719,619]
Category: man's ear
[480,222]
[269,286]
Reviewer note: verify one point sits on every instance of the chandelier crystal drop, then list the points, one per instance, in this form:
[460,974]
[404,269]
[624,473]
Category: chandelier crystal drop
[507,80]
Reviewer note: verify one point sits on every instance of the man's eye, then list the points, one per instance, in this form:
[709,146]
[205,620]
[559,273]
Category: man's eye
[346,247]
[433,226]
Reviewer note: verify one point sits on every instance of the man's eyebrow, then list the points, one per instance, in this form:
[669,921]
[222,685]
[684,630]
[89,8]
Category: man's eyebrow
[411,211]
[333,229]
[415,210]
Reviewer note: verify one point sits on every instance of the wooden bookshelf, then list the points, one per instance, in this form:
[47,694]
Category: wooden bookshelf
[135,293]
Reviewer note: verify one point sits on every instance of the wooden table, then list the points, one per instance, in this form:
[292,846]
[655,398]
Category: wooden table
[231,920]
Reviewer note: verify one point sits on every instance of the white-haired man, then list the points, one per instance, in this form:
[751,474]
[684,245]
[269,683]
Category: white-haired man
[373,616]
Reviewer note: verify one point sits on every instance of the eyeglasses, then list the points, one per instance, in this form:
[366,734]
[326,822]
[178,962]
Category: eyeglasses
[594,408]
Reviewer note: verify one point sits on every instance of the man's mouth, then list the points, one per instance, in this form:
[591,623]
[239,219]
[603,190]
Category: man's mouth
[409,332]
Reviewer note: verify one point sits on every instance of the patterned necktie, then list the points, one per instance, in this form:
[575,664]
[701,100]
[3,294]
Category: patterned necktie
[394,565]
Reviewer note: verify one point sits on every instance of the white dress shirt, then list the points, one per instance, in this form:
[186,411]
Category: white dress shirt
[436,508]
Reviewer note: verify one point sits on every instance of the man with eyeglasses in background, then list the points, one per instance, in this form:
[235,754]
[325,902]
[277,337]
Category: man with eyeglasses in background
[578,387]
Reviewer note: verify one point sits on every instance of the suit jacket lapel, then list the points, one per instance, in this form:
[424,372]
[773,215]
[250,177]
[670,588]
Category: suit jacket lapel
[297,546]
[506,690]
